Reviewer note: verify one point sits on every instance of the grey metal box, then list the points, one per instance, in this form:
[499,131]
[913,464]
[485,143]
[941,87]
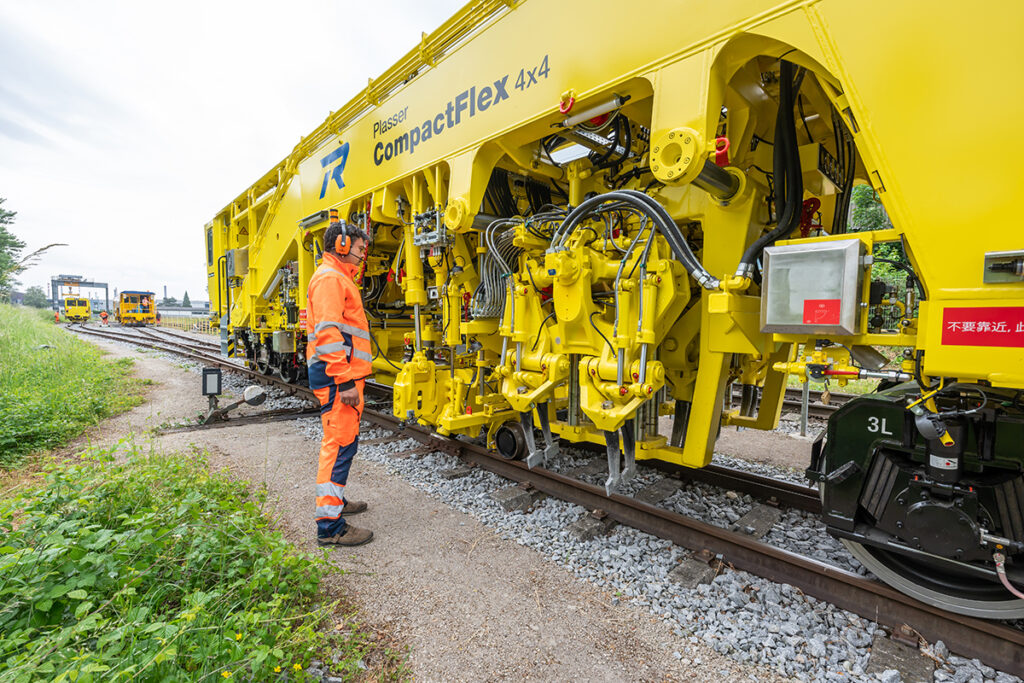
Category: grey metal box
[813,288]
[237,262]
[283,341]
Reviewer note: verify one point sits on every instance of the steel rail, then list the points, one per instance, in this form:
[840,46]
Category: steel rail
[215,345]
[191,344]
[283,415]
[994,643]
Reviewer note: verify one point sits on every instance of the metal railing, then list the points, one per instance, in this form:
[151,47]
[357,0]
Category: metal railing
[187,323]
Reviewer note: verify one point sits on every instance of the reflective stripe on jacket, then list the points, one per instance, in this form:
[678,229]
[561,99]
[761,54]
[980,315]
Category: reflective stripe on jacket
[338,336]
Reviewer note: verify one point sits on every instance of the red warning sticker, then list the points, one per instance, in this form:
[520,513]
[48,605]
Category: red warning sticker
[822,311]
[987,326]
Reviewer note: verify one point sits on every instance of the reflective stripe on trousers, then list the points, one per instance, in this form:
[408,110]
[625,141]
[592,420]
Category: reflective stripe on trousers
[337,449]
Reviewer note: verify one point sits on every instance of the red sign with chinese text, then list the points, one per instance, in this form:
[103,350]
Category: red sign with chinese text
[987,326]
[822,311]
[302,318]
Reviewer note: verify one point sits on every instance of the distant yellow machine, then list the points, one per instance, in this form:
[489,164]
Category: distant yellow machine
[76,309]
[581,236]
[136,308]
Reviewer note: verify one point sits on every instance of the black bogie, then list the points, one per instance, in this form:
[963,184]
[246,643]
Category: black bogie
[887,486]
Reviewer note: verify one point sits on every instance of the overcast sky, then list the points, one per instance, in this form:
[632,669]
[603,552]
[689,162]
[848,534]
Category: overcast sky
[125,126]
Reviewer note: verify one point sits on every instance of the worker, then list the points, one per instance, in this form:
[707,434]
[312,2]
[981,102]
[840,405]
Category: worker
[103,318]
[338,358]
[56,316]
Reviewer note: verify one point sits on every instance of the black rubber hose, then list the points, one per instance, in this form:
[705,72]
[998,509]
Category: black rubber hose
[666,226]
[789,186]
[910,272]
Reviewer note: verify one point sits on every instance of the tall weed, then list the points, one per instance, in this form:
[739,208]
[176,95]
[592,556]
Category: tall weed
[53,385]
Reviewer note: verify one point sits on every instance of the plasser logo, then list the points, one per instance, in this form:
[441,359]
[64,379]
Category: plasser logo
[339,155]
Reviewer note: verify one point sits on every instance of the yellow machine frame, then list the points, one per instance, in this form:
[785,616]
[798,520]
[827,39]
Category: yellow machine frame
[427,134]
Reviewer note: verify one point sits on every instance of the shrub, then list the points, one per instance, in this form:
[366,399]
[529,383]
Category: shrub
[146,567]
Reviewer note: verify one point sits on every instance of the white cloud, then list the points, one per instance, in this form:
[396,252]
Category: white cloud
[125,126]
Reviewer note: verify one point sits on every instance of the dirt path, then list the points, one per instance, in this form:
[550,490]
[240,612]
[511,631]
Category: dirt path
[470,605]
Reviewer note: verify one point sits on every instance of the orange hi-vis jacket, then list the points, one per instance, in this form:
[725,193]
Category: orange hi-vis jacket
[338,336]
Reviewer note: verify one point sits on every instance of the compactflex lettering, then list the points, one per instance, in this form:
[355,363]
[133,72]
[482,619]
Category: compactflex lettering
[464,105]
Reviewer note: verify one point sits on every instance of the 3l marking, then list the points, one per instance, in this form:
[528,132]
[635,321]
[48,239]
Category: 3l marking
[878,426]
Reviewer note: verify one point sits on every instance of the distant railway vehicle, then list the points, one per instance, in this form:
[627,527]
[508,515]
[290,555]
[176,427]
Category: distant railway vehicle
[580,240]
[76,309]
[136,308]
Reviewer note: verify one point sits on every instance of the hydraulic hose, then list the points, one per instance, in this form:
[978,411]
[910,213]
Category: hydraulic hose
[789,185]
[662,221]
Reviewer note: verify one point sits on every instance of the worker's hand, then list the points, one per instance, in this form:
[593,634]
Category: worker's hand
[349,397]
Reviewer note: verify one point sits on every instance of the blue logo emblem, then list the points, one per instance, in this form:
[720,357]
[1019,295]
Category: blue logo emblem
[339,155]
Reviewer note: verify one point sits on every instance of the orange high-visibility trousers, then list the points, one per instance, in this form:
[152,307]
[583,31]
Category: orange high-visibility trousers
[337,449]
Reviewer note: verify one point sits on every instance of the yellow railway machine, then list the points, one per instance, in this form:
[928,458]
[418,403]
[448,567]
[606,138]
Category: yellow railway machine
[76,309]
[135,308]
[572,239]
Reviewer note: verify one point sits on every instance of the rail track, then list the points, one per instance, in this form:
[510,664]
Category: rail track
[996,644]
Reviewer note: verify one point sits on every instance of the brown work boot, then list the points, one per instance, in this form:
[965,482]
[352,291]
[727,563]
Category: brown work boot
[353,536]
[354,507]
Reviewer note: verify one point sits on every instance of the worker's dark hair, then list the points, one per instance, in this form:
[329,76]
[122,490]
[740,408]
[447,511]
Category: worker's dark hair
[331,236]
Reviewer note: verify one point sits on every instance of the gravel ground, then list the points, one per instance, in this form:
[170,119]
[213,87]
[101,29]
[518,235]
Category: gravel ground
[741,616]
[745,617]
[462,602]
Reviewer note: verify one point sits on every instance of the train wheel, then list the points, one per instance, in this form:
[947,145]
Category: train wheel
[938,585]
[263,362]
[289,372]
[510,441]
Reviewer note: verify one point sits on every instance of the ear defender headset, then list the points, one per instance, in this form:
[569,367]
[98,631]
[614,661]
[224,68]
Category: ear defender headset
[342,245]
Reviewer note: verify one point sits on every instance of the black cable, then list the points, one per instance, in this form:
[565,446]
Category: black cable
[591,319]
[917,374]
[789,187]
[542,322]
[909,271]
[380,351]
[971,411]
[800,108]
[529,272]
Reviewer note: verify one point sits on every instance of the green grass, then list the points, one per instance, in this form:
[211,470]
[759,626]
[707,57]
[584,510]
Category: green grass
[53,385]
[126,565]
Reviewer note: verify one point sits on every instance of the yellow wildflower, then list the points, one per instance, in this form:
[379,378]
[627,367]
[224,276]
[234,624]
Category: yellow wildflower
[277,669]
[238,636]
[225,674]
[297,667]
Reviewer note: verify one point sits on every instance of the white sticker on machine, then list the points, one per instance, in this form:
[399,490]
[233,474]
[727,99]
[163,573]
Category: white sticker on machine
[942,463]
